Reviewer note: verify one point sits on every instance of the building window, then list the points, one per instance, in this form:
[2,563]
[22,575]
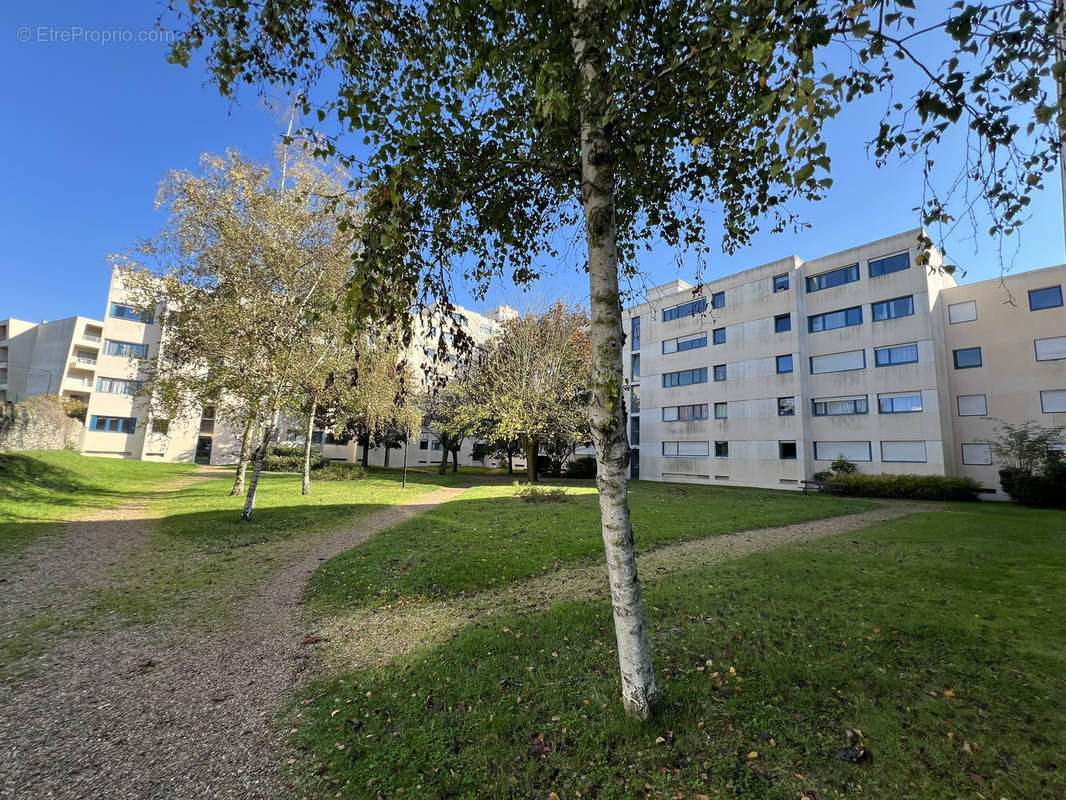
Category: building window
[119,311]
[207,420]
[684,413]
[634,431]
[689,449]
[784,364]
[972,405]
[718,336]
[786,406]
[435,446]
[1052,349]
[635,365]
[684,377]
[845,318]
[721,410]
[898,354]
[909,452]
[118,386]
[967,358]
[113,424]
[689,309]
[902,403]
[1053,401]
[786,451]
[683,343]
[161,426]
[840,406]
[893,309]
[125,349]
[885,266]
[838,362]
[836,277]
[486,330]
[977,453]
[634,333]
[423,444]
[719,372]
[780,283]
[962,312]
[721,449]
[852,451]
[459,319]
[1049,297]
[782,323]
[718,300]
[634,399]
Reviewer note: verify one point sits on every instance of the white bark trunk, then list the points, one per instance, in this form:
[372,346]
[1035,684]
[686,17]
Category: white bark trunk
[640,694]
[308,430]
[242,459]
[260,454]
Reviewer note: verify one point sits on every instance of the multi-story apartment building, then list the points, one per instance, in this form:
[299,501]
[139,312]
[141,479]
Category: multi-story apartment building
[118,423]
[764,377]
[48,358]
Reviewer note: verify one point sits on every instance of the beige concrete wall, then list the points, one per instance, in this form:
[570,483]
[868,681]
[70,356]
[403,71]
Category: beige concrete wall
[1010,377]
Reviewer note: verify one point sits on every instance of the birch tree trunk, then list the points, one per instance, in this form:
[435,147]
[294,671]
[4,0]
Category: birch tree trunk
[640,694]
[260,454]
[242,459]
[308,430]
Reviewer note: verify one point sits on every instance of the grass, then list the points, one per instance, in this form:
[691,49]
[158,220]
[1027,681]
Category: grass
[490,536]
[937,636]
[51,486]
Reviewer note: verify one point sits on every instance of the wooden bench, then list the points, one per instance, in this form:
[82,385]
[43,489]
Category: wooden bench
[817,486]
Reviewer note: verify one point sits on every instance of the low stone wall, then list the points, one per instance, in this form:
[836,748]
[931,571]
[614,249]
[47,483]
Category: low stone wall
[37,423]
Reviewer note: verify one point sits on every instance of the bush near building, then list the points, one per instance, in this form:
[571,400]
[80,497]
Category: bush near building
[287,458]
[905,487]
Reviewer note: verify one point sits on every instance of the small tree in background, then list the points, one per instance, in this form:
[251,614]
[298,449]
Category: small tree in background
[1034,472]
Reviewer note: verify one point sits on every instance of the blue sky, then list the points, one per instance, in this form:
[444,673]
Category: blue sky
[92,126]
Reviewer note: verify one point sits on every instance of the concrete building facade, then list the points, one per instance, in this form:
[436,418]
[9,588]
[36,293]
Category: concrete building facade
[57,357]
[765,377]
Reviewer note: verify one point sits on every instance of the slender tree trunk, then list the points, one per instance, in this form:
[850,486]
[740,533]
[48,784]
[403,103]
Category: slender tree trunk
[443,459]
[388,450]
[455,460]
[365,442]
[640,694]
[510,461]
[242,459]
[531,446]
[308,430]
[260,454]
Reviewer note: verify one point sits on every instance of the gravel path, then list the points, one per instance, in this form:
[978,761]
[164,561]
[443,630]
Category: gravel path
[377,636]
[147,713]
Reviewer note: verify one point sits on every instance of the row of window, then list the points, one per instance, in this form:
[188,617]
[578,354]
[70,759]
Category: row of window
[118,386]
[113,424]
[850,274]
[120,311]
[847,317]
[1039,300]
[913,452]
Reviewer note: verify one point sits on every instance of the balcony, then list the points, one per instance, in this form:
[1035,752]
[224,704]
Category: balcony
[92,337]
[82,362]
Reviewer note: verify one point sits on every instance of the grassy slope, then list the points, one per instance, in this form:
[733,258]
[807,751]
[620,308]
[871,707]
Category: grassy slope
[47,486]
[864,630]
[490,536]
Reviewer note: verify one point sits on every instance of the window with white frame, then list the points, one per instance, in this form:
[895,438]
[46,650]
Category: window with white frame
[686,449]
[910,452]
[1051,349]
[696,411]
[1053,401]
[852,451]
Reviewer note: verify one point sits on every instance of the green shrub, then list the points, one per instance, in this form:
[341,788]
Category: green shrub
[541,494]
[1047,490]
[584,467]
[290,458]
[340,471]
[824,475]
[906,487]
[843,467]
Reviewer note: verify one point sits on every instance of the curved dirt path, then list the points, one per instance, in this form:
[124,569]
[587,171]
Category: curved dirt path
[373,637]
[150,713]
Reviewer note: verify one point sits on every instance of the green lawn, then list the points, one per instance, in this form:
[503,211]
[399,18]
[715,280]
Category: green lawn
[938,636]
[490,536]
[47,486]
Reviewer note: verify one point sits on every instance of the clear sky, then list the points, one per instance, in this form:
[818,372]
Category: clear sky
[95,117]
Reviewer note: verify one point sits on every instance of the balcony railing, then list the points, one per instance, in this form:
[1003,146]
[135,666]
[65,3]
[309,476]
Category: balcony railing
[84,360]
[207,426]
[91,337]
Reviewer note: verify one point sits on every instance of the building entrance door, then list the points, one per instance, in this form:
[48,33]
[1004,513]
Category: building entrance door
[203,450]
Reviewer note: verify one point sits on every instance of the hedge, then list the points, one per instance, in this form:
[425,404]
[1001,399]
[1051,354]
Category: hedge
[340,471]
[290,459]
[906,487]
[1042,491]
